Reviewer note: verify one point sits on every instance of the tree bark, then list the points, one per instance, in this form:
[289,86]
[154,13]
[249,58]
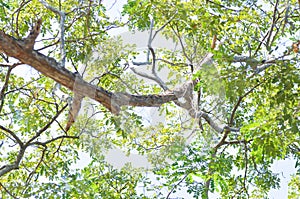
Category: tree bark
[52,69]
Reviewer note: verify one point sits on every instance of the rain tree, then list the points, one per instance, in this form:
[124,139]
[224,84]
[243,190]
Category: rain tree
[211,114]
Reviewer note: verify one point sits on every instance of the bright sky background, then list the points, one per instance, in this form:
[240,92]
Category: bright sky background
[117,158]
[283,167]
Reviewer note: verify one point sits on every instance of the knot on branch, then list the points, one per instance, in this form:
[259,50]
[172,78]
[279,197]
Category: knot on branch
[30,39]
[185,92]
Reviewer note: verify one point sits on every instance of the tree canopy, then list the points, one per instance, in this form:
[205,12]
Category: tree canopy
[211,114]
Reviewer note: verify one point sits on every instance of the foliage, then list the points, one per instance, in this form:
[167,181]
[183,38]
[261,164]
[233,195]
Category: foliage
[294,187]
[239,56]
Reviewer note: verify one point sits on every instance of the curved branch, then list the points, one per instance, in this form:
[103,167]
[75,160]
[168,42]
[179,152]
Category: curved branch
[111,101]
[7,168]
[44,144]
[51,68]
[17,139]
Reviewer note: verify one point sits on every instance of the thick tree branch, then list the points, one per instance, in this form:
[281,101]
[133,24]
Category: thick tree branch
[7,168]
[50,68]
[74,110]
[112,101]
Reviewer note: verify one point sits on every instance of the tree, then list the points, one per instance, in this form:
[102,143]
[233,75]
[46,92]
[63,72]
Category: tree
[230,99]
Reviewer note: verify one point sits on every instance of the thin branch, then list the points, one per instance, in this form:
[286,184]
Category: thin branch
[181,43]
[209,173]
[36,167]
[52,140]
[74,110]
[86,123]
[254,63]
[141,63]
[119,78]
[237,142]
[112,5]
[171,63]
[235,109]
[11,65]
[184,177]
[273,23]
[46,126]
[246,169]
[149,148]
[7,191]
[228,129]
[62,31]
[222,6]
[5,86]
[153,61]
[156,79]
[23,87]
[285,20]
[18,13]
[17,139]
[150,39]
[260,44]
[163,26]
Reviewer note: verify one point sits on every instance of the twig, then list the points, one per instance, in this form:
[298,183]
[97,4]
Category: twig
[181,43]
[171,63]
[17,139]
[36,167]
[46,126]
[7,191]
[246,169]
[273,24]
[52,140]
[163,26]
[184,177]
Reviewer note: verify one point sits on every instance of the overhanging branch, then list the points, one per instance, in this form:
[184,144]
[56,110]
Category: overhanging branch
[51,68]
[112,101]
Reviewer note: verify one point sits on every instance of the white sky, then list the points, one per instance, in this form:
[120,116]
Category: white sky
[283,167]
[117,158]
